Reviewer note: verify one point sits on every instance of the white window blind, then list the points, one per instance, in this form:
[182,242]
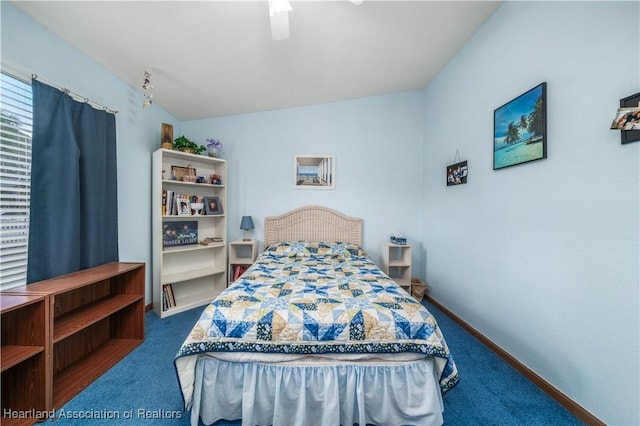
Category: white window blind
[16,114]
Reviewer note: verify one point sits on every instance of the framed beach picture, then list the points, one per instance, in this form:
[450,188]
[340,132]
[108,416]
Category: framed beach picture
[520,129]
[314,171]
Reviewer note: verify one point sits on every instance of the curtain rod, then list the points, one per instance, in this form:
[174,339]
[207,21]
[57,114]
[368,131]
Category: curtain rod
[75,95]
[24,76]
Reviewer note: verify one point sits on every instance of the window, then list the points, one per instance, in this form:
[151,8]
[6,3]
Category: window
[16,115]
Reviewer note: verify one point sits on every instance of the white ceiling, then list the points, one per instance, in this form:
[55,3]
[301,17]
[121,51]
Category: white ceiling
[217,58]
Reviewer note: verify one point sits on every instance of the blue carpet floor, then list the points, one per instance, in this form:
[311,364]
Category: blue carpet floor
[143,390]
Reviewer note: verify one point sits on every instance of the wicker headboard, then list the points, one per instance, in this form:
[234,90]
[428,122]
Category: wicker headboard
[312,223]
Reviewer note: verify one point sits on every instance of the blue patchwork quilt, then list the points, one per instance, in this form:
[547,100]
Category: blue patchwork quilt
[317,298]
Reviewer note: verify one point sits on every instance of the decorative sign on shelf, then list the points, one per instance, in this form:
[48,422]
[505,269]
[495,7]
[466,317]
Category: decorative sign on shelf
[179,233]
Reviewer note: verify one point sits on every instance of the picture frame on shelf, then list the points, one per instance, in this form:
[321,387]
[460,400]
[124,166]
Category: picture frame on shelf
[520,129]
[212,206]
[314,171]
[183,205]
[196,205]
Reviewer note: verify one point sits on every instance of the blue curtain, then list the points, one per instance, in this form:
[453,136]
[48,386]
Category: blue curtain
[74,212]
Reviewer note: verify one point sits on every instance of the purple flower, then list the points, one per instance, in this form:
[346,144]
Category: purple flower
[213,143]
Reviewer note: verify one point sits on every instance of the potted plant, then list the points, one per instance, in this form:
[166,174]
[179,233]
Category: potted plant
[186,145]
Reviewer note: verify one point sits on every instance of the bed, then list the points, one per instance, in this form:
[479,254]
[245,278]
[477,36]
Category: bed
[315,333]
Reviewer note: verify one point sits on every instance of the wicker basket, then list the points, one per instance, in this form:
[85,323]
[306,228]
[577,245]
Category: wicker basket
[418,289]
[180,172]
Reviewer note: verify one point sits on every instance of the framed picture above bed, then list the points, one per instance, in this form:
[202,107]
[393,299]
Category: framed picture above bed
[520,129]
[314,171]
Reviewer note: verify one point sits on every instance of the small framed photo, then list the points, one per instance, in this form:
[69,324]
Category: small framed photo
[457,173]
[630,132]
[314,171]
[183,204]
[627,119]
[212,205]
[520,129]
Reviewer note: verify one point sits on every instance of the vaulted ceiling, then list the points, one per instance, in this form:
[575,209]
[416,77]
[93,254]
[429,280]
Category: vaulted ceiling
[217,58]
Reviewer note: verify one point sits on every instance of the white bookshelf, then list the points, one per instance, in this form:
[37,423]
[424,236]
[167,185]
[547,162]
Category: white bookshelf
[197,273]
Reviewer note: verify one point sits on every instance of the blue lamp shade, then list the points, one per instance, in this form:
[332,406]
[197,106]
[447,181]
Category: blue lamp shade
[246,224]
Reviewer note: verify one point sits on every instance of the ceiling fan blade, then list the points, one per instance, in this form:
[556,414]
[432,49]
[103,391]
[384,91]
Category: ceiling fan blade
[279,15]
[280,26]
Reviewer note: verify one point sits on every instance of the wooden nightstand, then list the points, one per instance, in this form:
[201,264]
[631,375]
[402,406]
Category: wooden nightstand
[242,254]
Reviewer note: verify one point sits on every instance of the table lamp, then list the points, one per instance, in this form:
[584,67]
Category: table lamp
[246,224]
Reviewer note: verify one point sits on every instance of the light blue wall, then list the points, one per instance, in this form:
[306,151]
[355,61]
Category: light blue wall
[543,257]
[29,48]
[378,149]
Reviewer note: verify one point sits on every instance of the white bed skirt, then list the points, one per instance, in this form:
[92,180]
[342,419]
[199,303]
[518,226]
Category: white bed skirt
[404,393]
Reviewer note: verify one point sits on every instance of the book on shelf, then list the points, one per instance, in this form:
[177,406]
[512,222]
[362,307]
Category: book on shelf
[164,202]
[238,270]
[211,241]
[168,298]
[169,203]
[172,299]
[175,204]
[165,298]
